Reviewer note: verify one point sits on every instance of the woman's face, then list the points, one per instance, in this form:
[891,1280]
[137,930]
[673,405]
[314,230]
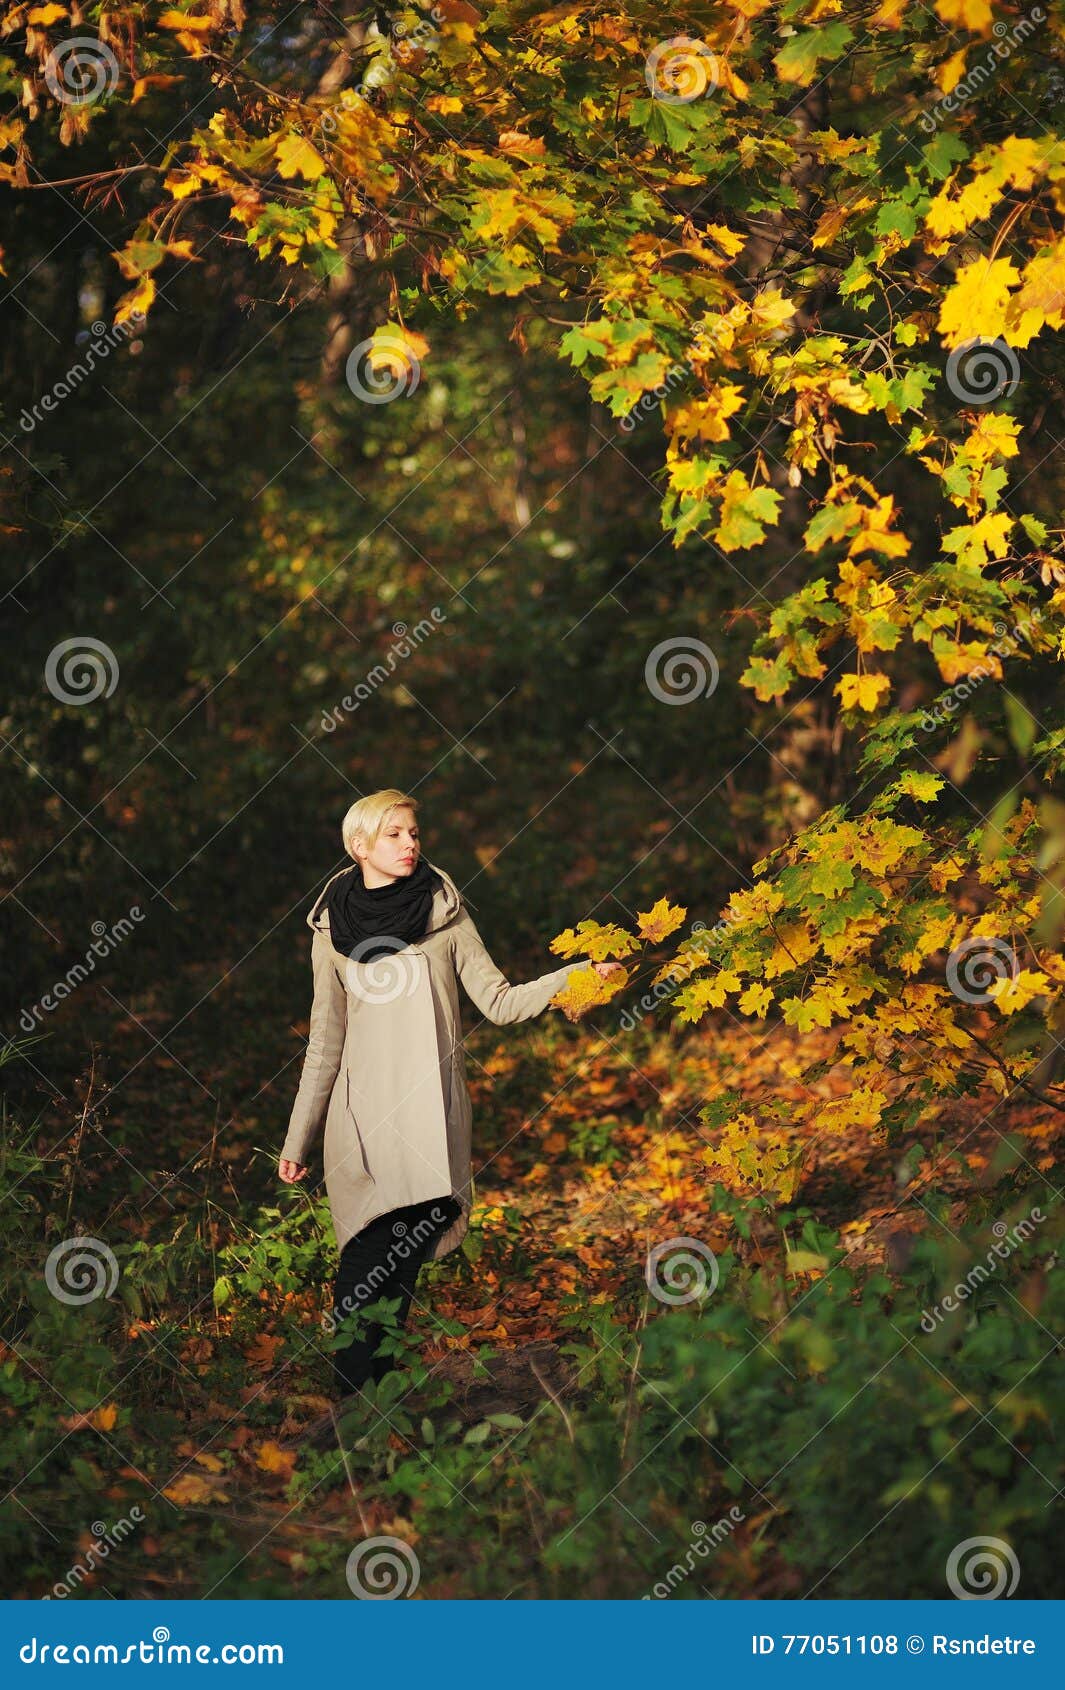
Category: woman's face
[396,850]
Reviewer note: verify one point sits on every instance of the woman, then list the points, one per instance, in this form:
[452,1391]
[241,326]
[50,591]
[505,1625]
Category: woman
[384,1070]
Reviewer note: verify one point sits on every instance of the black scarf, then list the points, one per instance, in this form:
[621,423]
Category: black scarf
[397,913]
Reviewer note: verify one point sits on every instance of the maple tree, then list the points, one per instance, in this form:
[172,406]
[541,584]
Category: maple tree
[794,235]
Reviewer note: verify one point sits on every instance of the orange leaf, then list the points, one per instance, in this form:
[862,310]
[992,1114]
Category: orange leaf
[273,1459]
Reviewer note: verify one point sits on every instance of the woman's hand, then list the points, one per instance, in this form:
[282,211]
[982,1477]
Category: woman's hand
[290,1171]
[604,968]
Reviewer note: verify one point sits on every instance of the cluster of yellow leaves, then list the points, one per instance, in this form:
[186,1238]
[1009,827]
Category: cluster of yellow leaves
[1016,162]
[990,296]
[750,1158]
[137,260]
[595,939]
[602,941]
[585,989]
[190,28]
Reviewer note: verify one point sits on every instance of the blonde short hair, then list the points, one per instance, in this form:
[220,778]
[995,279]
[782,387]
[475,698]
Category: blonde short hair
[367,817]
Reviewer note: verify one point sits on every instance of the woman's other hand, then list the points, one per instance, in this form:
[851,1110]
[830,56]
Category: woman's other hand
[604,968]
[290,1172]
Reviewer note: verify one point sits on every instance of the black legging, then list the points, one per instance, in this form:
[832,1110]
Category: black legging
[383,1261]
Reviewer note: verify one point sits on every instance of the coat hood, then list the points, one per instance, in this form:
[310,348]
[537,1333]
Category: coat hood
[447,902]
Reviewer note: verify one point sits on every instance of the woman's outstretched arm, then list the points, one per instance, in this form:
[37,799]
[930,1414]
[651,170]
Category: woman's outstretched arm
[321,1063]
[489,987]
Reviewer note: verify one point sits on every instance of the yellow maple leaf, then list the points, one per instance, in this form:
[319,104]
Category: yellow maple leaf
[1040,301]
[136,302]
[660,920]
[862,692]
[882,844]
[951,71]
[1011,995]
[189,27]
[976,304]
[694,1000]
[705,418]
[296,157]
[173,19]
[973,15]
[755,1000]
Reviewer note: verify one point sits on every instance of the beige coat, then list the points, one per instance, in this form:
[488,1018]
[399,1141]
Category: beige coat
[385,1069]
